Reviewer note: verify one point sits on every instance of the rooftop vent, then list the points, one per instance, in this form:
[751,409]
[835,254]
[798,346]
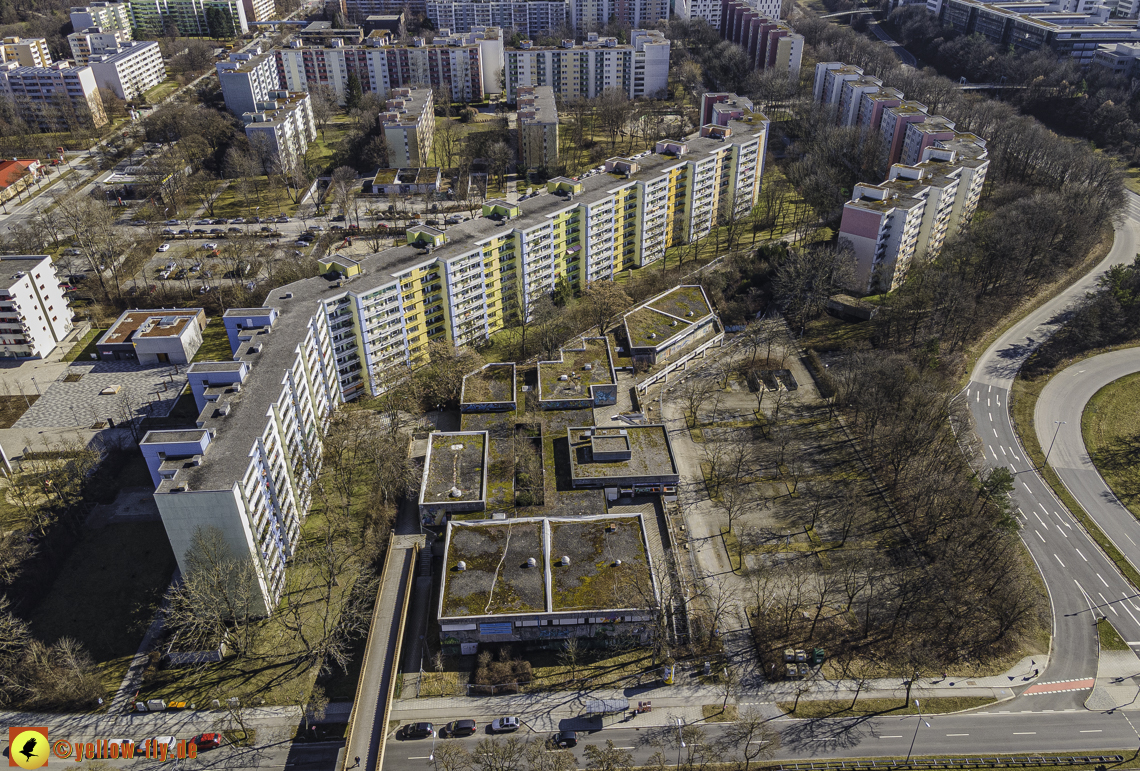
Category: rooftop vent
[564,561]
[611,528]
[563,377]
[288,296]
[588,367]
[617,563]
[652,335]
[673,323]
[461,566]
[690,314]
[531,562]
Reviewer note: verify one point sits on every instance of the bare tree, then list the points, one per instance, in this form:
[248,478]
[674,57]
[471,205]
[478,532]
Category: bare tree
[452,757]
[602,302]
[495,754]
[607,758]
[540,757]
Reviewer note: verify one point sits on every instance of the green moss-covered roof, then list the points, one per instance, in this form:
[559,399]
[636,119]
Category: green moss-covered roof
[593,580]
[496,579]
[573,365]
[492,383]
[649,328]
[649,453]
[453,466]
[682,301]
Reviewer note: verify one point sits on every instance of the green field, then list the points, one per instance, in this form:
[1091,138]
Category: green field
[1111,428]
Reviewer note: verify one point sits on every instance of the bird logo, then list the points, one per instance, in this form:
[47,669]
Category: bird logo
[28,748]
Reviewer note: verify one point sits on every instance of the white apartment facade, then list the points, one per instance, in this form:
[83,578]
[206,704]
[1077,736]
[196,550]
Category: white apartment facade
[537,127]
[592,15]
[54,97]
[408,123]
[109,17]
[247,80]
[640,69]
[150,18]
[284,125]
[34,315]
[532,19]
[259,10]
[468,64]
[94,40]
[130,70]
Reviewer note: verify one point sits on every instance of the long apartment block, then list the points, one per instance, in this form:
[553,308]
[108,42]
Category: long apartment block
[408,123]
[533,19]
[38,93]
[638,69]
[592,15]
[468,64]
[538,127]
[934,179]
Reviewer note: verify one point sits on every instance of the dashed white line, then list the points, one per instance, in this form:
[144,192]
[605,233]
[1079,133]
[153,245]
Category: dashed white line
[890,737]
[1040,536]
[995,432]
[991,416]
[1003,451]
[1092,731]
[1098,575]
[1024,733]
[1059,560]
[957,734]
[1026,487]
[1078,551]
[1110,607]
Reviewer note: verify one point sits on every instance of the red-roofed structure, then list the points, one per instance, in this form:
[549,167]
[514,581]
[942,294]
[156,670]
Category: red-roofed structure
[16,175]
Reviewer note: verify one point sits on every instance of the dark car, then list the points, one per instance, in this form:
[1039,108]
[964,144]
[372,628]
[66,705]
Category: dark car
[459,728]
[215,231]
[233,230]
[183,232]
[418,730]
[338,218]
[564,739]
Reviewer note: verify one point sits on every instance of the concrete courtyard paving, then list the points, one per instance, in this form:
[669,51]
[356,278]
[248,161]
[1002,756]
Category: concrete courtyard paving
[145,391]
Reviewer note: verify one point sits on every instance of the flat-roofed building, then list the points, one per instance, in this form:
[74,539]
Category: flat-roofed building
[537,127]
[408,123]
[537,18]
[55,97]
[109,17]
[283,125]
[638,69]
[247,80]
[634,457]
[34,314]
[455,473]
[540,581]
[94,40]
[29,52]
[154,336]
[130,70]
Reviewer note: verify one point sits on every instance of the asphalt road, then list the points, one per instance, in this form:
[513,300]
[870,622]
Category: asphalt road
[1077,731]
[1058,413]
[1082,583]
[905,56]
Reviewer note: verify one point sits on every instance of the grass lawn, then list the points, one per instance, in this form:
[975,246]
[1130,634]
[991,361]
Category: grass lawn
[85,347]
[1111,428]
[234,202]
[828,333]
[601,668]
[869,707]
[161,91]
[324,147]
[1132,179]
[215,343]
[12,407]
[106,593]
[714,713]
[1110,639]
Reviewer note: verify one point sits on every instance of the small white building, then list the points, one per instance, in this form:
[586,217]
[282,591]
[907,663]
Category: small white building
[130,70]
[154,336]
[34,315]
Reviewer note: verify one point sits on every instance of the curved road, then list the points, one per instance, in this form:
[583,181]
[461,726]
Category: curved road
[1059,410]
[1081,581]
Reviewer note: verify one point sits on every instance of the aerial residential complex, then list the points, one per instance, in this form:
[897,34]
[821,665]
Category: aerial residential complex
[715,12]
[283,124]
[538,127]
[150,18]
[58,97]
[247,80]
[109,17]
[34,315]
[154,336]
[587,70]
[247,468]
[129,70]
[771,44]
[94,40]
[532,19]
[934,176]
[408,122]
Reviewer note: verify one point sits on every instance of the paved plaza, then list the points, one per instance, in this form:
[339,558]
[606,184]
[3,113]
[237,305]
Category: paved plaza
[144,392]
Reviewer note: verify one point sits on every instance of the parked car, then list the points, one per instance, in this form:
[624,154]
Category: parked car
[72,252]
[138,223]
[216,230]
[205,288]
[181,274]
[204,222]
[207,741]
[282,218]
[236,221]
[156,741]
[302,242]
[209,247]
[195,267]
[418,730]
[201,231]
[266,229]
[169,231]
[337,227]
[221,221]
[316,227]
[502,725]
[183,232]
[338,218]
[172,222]
[164,248]
[458,728]
[233,230]
[122,744]
[565,739]
[453,220]
[171,265]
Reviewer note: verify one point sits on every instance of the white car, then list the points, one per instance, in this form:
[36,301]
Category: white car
[210,247]
[164,248]
[122,744]
[504,725]
[170,742]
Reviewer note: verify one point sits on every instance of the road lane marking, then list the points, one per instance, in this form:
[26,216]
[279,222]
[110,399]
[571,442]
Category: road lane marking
[890,737]
[995,432]
[1058,559]
[988,404]
[1129,538]
[1126,610]
[1023,484]
[957,734]
[1092,731]
[420,757]
[1040,536]
[992,451]
[997,399]
[1106,602]
[1003,451]
[1086,559]
[1024,733]
[1098,575]
[1062,532]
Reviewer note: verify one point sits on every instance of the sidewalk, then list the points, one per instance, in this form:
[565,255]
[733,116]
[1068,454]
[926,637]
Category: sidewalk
[563,710]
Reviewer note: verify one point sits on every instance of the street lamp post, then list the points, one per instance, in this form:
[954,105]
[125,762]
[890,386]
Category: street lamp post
[918,726]
[1055,432]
